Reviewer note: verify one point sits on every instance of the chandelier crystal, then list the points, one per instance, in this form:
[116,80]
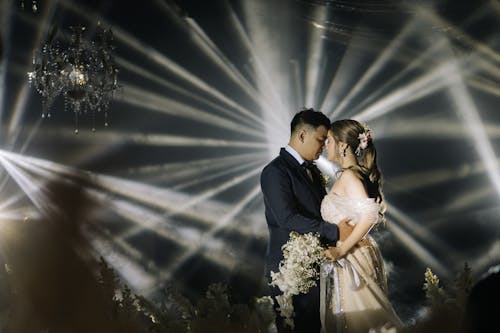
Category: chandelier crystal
[34,5]
[83,71]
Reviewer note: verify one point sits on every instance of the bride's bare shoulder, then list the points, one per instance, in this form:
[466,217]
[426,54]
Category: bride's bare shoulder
[351,185]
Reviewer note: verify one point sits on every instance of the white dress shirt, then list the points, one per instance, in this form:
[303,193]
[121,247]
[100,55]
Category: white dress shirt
[294,153]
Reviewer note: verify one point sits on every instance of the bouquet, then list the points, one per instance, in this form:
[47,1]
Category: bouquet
[298,271]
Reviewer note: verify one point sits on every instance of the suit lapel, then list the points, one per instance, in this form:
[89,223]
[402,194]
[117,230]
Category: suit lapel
[313,186]
[318,183]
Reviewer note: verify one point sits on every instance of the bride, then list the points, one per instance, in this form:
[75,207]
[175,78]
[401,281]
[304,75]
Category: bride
[353,283]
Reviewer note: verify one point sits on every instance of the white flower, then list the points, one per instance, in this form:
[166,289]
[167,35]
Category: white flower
[364,138]
[298,271]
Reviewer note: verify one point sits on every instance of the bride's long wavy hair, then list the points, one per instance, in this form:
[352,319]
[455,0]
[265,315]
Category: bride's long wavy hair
[349,131]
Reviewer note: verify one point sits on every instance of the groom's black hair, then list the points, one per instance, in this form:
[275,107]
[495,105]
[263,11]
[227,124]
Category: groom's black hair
[310,117]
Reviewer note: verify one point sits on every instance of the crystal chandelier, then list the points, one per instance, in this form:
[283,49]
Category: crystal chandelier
[34,6]
[83,71]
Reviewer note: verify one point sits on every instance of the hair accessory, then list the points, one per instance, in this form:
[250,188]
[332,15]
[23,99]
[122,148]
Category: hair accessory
[364,139]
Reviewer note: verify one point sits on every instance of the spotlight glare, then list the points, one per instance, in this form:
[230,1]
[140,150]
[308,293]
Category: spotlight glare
[382,60]
[468,112]
[418,250]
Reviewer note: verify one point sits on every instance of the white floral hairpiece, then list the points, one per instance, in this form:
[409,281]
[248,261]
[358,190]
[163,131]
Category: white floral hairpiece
[364,139]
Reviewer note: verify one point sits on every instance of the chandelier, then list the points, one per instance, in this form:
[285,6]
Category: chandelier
[34,6]
[83,71]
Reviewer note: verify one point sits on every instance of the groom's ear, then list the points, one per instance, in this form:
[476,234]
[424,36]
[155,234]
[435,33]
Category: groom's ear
[302,134]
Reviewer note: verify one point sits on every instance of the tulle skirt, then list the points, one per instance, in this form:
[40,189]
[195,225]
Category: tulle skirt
[353,292]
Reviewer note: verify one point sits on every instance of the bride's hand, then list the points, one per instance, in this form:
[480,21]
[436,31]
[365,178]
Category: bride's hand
[334,253]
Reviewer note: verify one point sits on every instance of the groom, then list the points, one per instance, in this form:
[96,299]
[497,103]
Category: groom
[293,189]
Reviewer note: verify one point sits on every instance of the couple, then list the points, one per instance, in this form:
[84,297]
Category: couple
[353,293]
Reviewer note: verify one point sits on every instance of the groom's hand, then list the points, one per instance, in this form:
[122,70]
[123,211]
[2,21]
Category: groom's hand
[345,229]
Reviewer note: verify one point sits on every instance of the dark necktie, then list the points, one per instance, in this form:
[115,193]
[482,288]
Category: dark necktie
[309,166]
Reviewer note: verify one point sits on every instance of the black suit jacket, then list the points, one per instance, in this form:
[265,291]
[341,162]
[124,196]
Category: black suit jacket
[292,203]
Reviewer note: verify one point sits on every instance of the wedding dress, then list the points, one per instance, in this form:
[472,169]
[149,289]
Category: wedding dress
[353,289]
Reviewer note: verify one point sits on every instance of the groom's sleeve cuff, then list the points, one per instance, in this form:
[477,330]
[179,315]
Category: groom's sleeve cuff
[330,232]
